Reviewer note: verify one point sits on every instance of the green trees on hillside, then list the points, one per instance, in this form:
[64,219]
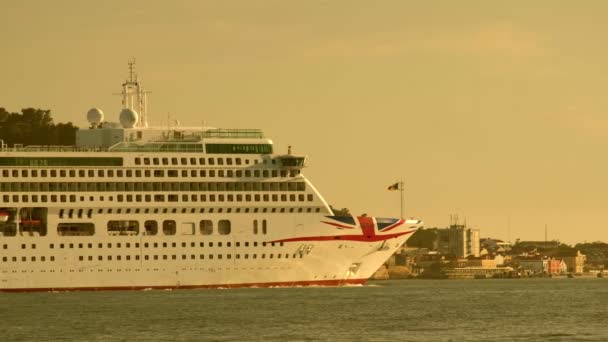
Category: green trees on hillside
[423,238]
[34,127]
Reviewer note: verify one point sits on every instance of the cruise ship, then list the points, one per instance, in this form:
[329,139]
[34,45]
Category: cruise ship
[138,207]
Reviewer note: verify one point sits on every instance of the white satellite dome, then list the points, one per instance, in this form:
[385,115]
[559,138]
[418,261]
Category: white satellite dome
[95,116]
[128,118]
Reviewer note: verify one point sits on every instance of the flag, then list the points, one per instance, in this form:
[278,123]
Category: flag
[394,187]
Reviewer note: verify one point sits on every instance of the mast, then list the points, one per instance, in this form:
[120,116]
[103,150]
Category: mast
[134,96]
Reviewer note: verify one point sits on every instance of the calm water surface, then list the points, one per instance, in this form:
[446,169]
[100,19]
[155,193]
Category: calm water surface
[410,310]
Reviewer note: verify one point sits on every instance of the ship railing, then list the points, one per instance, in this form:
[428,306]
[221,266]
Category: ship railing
[50,148]
[232,133]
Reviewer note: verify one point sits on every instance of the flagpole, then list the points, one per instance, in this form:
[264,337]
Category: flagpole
[401,190]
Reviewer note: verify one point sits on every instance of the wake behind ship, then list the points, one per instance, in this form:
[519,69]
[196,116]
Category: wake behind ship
[136,207]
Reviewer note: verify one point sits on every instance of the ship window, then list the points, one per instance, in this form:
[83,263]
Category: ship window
[192,161]
[146,161]
[264,227]
[159,198]
[220,161]
[165,161]
[224,227]
[100,173]
[184,161]
[211,161]
[75,229]
[206,227]
[155,161]
[123,227]
[169,227]
[91,173]
[151,227]
[137,161]
[159,173]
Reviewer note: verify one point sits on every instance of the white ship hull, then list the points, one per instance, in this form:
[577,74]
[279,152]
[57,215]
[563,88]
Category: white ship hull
[308,253]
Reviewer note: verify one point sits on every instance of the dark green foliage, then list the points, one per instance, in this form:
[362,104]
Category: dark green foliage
[35,127]
[423,238]
[596,252]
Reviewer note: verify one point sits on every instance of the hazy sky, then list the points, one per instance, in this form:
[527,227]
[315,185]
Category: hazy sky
[486,109]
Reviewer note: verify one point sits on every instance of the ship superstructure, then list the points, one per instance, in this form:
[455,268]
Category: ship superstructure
[135,207]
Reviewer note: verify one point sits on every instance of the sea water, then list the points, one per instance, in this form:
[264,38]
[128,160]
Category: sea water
[407,310]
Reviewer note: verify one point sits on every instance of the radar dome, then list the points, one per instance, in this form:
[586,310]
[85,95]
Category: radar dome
[128,118]
[95,116]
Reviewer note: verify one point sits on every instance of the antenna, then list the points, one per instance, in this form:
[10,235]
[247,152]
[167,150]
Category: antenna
[134,96]
[132,70]
[509,229]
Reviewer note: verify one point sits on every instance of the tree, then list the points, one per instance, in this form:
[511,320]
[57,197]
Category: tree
[423,238]
[35,127]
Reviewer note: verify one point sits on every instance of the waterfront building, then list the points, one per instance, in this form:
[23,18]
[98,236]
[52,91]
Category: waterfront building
[554,266]
[534,265]
[487,261]
[575,263]
[459,241]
